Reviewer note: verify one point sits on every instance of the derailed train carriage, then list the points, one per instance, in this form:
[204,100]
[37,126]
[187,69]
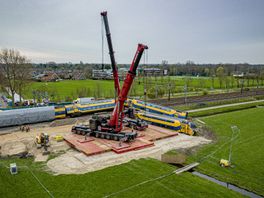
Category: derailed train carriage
[154,114]
[73,110]
[176,124]
[157,109]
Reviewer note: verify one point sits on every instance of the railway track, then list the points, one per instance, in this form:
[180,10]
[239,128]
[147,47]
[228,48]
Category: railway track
[208,98]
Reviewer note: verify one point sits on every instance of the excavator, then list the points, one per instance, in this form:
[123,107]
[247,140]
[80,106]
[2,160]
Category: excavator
[42,140]
[111,127]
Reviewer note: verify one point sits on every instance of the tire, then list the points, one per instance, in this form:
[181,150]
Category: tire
[108,137]
[116,138]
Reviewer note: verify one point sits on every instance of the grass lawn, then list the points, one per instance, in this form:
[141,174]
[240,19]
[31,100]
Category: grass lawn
[248,149]
[108,181]
[67,89]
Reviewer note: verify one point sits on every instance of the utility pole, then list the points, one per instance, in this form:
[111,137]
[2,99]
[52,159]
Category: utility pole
[169,88]
[185,92]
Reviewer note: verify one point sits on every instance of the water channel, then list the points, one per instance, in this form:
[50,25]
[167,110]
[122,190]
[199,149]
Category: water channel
[227,185]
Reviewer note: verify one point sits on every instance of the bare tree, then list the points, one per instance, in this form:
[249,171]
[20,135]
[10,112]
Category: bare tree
[23,75]
[15,72]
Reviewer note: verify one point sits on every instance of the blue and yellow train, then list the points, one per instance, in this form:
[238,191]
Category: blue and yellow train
[157,109]
[154,114]
[73,110]
[104,105]
[176,124]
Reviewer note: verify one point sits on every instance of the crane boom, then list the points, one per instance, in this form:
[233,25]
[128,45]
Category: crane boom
[118,115]
[111,53]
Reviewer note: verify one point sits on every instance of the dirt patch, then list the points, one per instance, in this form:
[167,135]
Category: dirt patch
[177,158]
[13,148]
[62,122]
[21,143]
[74,162]
[206,132]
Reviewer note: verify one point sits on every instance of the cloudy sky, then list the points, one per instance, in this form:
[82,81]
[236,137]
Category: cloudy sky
[204,31]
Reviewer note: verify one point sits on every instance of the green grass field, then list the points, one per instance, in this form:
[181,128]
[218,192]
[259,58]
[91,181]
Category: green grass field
[108,181]
[68,89]
[225,109]
[248,149]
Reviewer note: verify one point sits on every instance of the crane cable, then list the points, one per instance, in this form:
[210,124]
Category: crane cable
[102,41]
[145,78]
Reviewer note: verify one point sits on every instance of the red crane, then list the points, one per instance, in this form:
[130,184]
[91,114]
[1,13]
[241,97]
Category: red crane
[118,113]
[111,128]
[111,53]
[103,127]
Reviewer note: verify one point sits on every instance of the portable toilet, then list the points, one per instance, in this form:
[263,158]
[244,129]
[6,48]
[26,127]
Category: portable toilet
[13,168]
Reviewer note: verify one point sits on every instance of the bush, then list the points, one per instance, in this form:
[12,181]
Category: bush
[152,92]
[205,92]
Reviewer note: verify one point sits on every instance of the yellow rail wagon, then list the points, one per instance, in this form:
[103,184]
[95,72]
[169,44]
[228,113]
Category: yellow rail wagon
[94,106]
[60,112]
[179,125]
[157,109]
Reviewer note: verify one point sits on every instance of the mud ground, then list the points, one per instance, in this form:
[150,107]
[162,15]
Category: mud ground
[15,142]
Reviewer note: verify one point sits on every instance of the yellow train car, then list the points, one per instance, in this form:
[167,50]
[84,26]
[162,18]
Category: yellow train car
[60,112]
[179,125]
[94,106]
[157,109]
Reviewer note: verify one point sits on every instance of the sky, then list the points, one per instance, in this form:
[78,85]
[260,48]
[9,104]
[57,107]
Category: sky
[203,31]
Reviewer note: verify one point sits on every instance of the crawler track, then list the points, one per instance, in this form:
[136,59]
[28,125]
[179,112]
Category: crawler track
[208,98]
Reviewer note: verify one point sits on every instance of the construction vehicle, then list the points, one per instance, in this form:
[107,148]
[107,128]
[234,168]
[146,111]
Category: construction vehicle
[42,140]
[111,127]
[224,163]
[133,122]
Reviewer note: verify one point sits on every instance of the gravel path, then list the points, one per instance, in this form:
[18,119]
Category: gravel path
[74,162]
[227,105]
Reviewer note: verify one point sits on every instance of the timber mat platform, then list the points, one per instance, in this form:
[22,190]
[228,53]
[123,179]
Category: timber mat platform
[93,146]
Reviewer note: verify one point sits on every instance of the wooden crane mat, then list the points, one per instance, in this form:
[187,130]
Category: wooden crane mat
[92,145]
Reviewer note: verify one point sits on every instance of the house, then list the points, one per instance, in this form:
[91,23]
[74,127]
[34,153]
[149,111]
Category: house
[47,77]
[78,75]
[102,74]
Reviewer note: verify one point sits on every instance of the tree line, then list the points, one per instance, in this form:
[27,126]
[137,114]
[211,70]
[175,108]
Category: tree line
[15,73]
